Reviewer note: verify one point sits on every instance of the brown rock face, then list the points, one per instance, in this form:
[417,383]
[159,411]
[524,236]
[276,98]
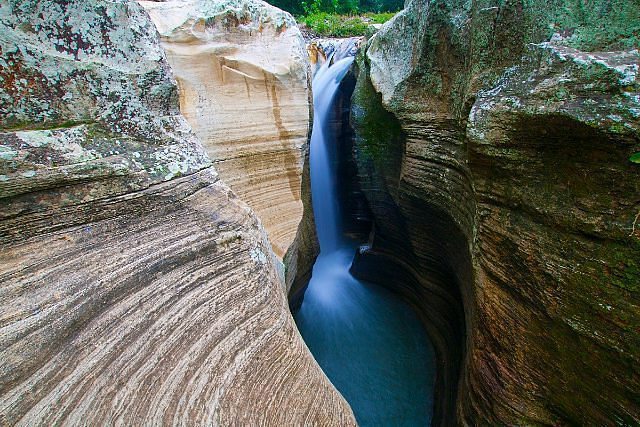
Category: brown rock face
[169,311]
[504,204]
[135,287]
[243,80]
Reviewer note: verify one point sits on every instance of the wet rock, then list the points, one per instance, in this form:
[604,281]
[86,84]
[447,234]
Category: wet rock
[319,50]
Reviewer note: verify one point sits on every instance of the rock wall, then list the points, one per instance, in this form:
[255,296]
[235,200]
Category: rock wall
[135,287]
[243,81]
[494,143]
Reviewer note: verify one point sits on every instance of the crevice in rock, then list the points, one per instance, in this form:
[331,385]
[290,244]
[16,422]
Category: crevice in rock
[427,262]
[434,286]
[419,245]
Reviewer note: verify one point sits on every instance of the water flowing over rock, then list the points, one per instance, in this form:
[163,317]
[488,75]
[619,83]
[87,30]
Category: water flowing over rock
[320,50]
[135,287]
[243,81]
[369,342]
[496,165]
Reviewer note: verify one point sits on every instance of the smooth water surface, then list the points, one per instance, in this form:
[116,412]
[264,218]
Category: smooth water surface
[370,343]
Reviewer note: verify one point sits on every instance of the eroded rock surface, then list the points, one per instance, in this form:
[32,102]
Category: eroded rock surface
[320,50]
[505,204]
[243,80]
[135,287]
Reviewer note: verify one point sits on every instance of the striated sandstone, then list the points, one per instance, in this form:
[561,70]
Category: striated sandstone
[243,81]
[169,311]
[135,287]
[504,202]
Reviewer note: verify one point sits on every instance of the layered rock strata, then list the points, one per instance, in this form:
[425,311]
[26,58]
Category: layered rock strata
[243,81]
[135,287]
[494,143]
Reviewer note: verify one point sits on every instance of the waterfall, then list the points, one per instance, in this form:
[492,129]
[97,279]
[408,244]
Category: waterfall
[323,180]
[370,344]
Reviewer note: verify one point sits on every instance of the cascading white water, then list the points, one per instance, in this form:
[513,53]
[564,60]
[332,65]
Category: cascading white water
[370,344]
[323,180]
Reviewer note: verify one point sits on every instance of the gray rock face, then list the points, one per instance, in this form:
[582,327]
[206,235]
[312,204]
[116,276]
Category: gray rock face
[66,63]
[135,288]
[504,203]
[85,99]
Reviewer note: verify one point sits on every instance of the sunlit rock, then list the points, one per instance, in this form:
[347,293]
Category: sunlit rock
[243,81]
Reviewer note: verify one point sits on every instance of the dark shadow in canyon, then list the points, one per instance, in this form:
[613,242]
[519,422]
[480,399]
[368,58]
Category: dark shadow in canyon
[415,250]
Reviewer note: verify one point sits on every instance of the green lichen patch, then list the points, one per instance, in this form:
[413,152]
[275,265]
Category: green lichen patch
[378,130]
[598,25]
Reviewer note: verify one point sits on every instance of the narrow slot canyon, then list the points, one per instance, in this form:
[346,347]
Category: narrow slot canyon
[320,213]
[386,327]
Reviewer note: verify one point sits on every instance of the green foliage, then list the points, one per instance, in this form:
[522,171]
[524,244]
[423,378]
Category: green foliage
[337,18]
[378,6]
[610,24]
[334,25]
[635,158]
[340,7]
[295,7]
[380,18]
[311,7]
[330,6]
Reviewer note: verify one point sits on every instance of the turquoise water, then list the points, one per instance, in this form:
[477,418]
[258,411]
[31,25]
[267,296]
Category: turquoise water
[370,343]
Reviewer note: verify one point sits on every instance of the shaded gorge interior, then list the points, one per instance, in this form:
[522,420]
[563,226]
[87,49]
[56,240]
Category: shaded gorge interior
[419,238]
[380,322]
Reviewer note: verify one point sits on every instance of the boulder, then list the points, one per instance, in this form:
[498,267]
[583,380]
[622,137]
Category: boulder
[506,203]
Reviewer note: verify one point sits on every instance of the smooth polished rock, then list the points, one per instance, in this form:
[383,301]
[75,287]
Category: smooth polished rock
[136,288]
[244,87]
